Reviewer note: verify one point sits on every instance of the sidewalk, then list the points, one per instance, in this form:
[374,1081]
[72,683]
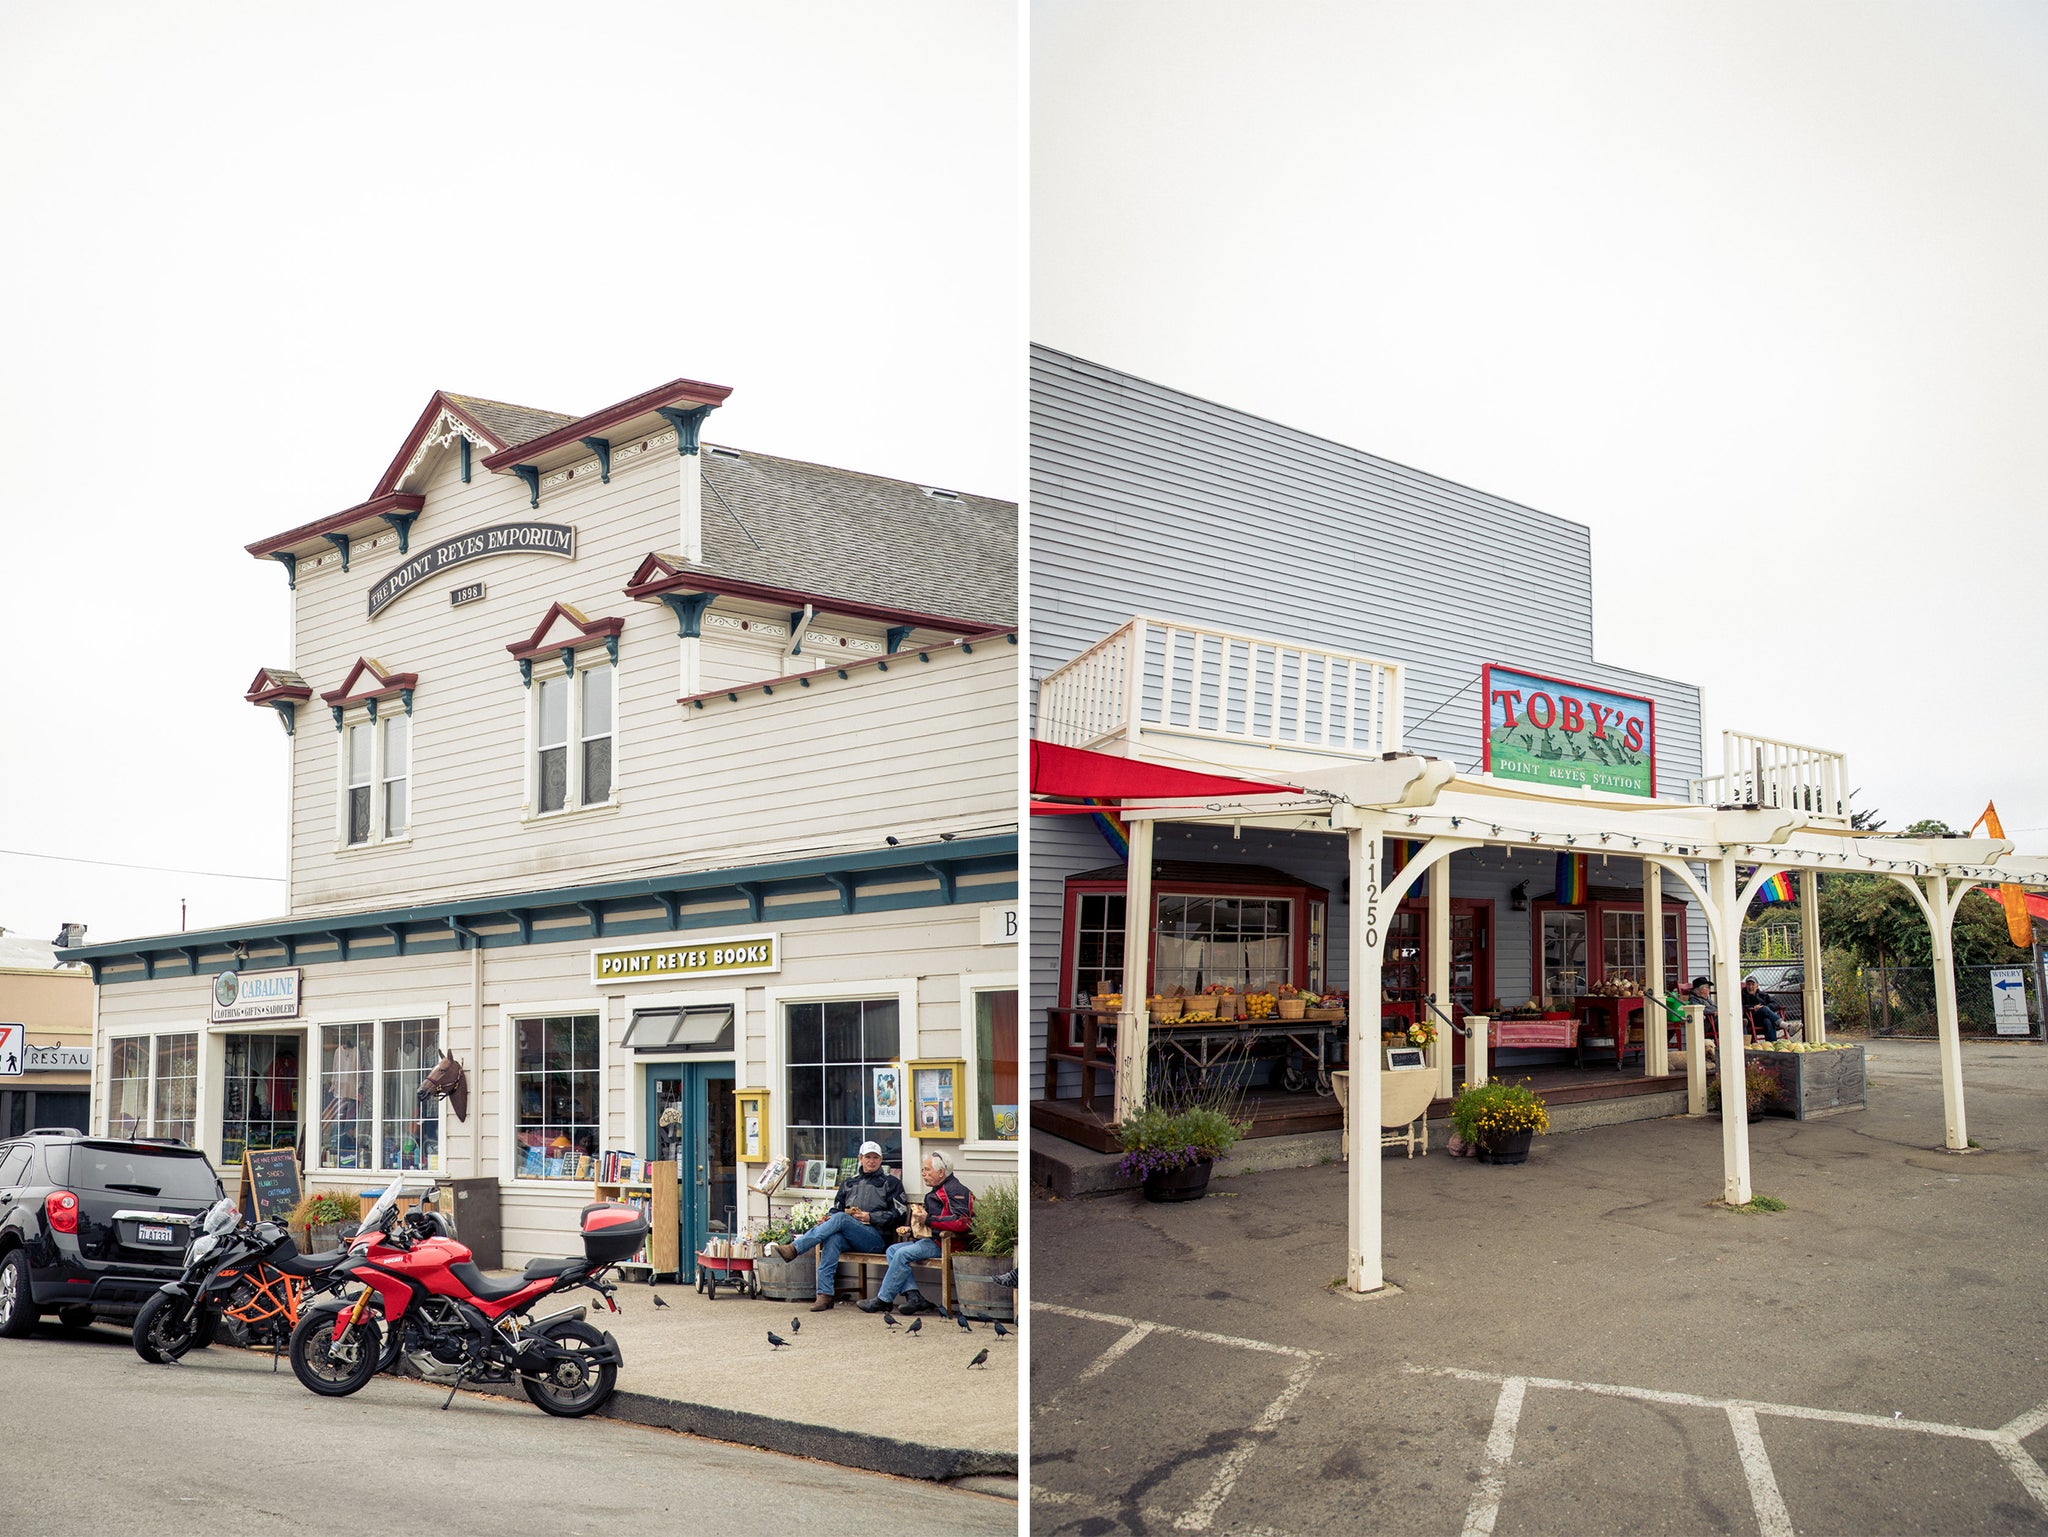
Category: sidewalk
[846,1389]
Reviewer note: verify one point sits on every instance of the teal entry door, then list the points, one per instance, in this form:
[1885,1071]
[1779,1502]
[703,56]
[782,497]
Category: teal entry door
[699,1140]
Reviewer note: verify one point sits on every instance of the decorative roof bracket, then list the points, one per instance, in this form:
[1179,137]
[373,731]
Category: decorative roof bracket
[290,562]
[531,475]
[943,874]
[595,912]
[465,457]
[898,634]
[335,711]
[751,890]
[370,706]
[687,423]
[569,661]
[844,885]
[526,671]
[405,698]
[288,712]
[688,608]
[340,542]
[401,524]
[602,447]
[611,649]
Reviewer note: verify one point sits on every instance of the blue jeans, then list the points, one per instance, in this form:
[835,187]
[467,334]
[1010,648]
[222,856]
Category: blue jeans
[901,1257]
[1767,1020]
[832,1238]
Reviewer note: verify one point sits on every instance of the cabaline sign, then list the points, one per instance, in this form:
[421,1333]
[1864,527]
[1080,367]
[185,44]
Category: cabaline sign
[255,995]
[669,961]
[1548,731]
[502,539]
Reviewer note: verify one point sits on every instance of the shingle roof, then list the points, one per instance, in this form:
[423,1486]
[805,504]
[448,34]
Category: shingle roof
[866,538]
[511,425]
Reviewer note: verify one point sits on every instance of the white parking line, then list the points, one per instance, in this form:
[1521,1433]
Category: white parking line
[1772,1518]
[1115,1353]
[1500,1449]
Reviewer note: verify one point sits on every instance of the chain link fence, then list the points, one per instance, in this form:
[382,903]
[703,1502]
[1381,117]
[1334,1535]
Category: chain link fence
[1899,1000]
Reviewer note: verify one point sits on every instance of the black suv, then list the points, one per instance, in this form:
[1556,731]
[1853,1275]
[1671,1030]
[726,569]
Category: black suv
[91,1226]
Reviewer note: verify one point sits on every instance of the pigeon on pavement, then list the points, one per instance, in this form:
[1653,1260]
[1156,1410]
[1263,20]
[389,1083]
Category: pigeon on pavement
[980,1357]
[776,1340]
[657,1300]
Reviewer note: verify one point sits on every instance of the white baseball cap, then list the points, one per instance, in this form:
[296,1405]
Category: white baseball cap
[871,1147]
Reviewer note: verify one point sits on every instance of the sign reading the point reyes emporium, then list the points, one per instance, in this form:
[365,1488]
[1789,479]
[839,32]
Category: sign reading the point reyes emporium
[502,539]
[669,960]
[1547,731]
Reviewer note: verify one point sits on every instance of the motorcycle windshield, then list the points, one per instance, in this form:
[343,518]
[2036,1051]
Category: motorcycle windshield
[225,1214]
[385,1202]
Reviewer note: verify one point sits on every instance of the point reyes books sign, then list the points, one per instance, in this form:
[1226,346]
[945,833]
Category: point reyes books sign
[502,539]
[670,961]
[1548,731]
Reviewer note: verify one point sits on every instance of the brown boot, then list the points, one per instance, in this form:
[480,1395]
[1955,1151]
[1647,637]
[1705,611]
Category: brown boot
[822,1305]
[784,1251]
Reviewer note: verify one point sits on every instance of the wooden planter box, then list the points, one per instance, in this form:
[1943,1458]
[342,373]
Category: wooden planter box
[789,1280]
[1813,1083]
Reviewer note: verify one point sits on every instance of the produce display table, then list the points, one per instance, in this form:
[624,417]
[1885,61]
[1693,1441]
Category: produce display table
[1087,1037]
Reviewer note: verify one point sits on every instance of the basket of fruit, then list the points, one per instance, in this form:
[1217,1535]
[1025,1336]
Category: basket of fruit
[1260,1005]
[1293,1002]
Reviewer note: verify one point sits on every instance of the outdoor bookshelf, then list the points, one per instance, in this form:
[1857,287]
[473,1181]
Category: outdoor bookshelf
[656,1195]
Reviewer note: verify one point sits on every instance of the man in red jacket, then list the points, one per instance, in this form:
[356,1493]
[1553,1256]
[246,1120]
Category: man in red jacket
[948,1208]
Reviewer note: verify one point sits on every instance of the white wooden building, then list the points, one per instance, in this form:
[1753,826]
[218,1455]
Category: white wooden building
[566,689]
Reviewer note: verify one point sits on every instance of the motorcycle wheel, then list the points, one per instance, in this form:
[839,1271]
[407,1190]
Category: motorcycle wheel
[572,1388]
[316,1364]
[167,1328]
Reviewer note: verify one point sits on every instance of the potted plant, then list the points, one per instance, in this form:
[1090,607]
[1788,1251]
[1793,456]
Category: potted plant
[989,1249]
[316,1222]
[1499,1119]
[1759,1088]
[1422,1033]
[793,1280]
[1172,1151]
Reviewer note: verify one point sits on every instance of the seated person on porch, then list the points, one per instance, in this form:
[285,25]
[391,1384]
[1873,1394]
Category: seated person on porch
[948,1208]
[1757,1010]
[867,1210]
[1702,993]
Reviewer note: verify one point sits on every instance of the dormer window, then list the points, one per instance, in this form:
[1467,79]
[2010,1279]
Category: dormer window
[569,664]
[373,715]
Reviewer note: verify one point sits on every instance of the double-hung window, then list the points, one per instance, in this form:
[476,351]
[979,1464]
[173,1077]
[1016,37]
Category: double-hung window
[361,743]
[376,779]
[573,739]
[153,1086]
[838,1055]
[555,1096]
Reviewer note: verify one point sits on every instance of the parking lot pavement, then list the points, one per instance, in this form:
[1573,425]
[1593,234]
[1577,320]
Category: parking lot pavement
[221,1447]
[1581,1345]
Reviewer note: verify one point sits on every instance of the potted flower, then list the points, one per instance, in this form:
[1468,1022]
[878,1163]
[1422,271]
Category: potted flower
[793,1280]
[989,1250]
[1422,1033]
[1173,1151]
[1499,1119]
[316,1222]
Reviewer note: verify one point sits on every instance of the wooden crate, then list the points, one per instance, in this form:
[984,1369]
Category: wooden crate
[1812,1084]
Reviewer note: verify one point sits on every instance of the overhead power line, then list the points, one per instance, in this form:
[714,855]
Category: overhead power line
[115,864]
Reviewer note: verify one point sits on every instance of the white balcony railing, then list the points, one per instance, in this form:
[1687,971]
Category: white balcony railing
[1163,677]
[1760,771]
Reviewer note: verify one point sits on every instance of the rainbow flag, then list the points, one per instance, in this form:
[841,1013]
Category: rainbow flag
[1779,888]
[1403,850]
[1571,880]
[1112,828]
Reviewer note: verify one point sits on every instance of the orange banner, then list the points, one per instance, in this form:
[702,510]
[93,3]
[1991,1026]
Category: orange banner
[2019,923]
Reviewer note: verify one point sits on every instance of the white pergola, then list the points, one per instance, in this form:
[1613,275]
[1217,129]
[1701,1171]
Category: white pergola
[1327,725]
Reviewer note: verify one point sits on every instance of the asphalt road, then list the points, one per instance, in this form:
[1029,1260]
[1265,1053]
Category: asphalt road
[100,1443]
[1583,1345]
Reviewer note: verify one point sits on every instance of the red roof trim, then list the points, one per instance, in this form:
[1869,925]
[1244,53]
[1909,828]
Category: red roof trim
[678,579]
[677,392]
[397,501]
[263,691]
[804,679]
[1075,774]
[592,629]
[387,683]
[435,407]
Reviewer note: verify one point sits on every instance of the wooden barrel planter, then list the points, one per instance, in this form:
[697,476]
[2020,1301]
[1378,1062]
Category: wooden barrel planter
[793,1280]
[974,1286]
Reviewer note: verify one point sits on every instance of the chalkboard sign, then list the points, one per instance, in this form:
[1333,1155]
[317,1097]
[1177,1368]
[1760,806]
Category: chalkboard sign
[270,1183]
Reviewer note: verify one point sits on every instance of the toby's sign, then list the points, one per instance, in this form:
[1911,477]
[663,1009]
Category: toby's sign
[670,961]
[501,539]
[1550,731]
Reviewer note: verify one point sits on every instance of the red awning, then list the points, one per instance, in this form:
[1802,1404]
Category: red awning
[1078,775]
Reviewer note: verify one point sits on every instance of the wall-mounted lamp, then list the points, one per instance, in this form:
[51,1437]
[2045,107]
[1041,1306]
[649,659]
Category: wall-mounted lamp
[1518,897]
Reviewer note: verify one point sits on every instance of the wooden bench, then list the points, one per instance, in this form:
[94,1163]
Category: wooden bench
[860,1275]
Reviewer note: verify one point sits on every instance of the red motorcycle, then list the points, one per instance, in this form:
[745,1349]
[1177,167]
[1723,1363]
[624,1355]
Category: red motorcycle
[423,1298]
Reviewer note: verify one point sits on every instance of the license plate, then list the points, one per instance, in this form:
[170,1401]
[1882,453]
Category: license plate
[153,1232]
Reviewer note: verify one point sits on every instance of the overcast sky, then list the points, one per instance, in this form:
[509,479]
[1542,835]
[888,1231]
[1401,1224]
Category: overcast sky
[1754,290]
[241,245]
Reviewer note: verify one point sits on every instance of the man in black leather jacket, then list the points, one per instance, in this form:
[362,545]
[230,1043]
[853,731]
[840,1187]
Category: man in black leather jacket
[865,1215]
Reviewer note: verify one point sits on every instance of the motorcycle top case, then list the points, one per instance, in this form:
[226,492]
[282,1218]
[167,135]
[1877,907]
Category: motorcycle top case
[612,1232]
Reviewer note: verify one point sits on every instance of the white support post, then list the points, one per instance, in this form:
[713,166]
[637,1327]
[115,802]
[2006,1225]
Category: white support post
[1481,1026]
[1365,1272]
[1721,883]
[690,506]
[1133,1024]
[1814,996]
[1696,1060]
[1440,967]
[1949,1042]
[1656,1035]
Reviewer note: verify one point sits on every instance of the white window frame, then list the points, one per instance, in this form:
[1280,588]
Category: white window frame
[150,1036]
[313,1085]
[359,715]
[384,781]
[550,667]
[971,984]
[902,989]
[509,1016]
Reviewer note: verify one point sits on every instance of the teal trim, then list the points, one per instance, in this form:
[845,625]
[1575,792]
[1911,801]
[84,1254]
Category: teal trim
[340,542]
[335,711]
[688,424]
[603,449]
[290,562]
[688,607]
[898,634]
[808,888]
[370,705]
[611,649]
[526,671]
[288,712]
[943,874]
[465,457]
[401,523]
[531,475]
[569,660]
[405,698]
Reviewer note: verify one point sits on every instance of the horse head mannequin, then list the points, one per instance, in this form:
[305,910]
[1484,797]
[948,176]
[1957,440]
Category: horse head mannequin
[449,1082]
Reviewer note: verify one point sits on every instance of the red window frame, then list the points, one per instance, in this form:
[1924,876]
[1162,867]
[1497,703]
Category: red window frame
[1596,951]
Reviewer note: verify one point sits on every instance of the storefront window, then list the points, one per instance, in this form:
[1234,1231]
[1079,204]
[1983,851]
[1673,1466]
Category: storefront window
[837,1052]
[995,1065]
[555,1131]
[1098,945]
[409,1132]
[127,1087]
[346,1107]
[177,1088]
[260,1097]
[1246,942]
[1621,945]
[1564,957]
